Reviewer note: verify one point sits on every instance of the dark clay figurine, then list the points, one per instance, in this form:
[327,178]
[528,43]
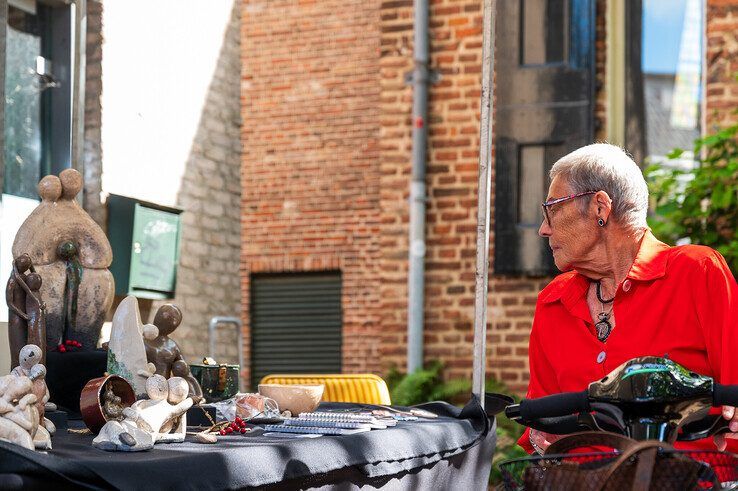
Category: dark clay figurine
[36,312]
[164,352]
[15,296]
[67,251]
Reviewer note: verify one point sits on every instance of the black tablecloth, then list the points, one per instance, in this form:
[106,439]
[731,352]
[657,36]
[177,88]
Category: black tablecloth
[373,458]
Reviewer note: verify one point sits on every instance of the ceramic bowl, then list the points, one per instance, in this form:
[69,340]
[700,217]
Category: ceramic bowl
[91,398]
[294,398]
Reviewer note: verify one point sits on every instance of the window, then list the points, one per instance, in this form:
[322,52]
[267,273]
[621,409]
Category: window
[672,73]
[37,125]
[545,109]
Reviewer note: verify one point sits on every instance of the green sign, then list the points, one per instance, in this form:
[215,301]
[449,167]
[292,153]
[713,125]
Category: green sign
[154,251]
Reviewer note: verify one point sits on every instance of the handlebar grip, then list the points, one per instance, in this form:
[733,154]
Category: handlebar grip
[554,405]
[724,395]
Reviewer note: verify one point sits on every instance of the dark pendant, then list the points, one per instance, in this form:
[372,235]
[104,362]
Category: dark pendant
[604,328]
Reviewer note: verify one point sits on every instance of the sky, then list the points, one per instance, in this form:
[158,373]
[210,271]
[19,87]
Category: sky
[662,29]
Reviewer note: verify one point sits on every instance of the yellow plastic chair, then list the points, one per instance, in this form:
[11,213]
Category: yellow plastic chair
[364,388]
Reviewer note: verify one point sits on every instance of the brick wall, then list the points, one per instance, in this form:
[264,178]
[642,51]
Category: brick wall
[456,44]
[93,114]
[456,48]
[310,168]
[290,157]
[722,63]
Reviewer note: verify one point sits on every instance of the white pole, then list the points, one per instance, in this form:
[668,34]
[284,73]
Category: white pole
[483,208]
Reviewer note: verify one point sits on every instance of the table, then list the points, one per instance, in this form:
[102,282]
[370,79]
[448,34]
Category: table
[451,452]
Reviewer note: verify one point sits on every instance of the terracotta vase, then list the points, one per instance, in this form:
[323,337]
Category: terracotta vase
[90,401]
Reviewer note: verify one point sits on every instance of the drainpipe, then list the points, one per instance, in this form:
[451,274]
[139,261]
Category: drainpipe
[416,267]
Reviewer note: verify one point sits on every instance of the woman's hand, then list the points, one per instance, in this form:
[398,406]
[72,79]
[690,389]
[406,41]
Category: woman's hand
[540,440]
[730,414]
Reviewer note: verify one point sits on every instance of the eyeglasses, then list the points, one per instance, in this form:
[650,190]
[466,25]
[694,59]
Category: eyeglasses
[554,201]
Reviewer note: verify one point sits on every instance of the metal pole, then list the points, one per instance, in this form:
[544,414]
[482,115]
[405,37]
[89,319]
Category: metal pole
[416,254]
[483,208]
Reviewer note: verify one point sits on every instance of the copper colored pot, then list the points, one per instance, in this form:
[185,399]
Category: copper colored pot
[90,401]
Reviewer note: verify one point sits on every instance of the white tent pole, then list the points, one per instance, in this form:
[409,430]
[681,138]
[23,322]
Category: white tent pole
[483,208]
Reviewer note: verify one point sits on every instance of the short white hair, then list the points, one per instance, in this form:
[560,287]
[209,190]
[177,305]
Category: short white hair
[605,167]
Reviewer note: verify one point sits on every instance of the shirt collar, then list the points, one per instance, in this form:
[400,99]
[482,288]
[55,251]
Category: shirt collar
[649,264]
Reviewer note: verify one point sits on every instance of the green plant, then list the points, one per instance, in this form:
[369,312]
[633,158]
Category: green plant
[424,385]
[700,204]
[428,385]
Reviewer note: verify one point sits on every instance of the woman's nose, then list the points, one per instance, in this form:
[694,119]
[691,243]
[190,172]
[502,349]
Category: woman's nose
[545,229]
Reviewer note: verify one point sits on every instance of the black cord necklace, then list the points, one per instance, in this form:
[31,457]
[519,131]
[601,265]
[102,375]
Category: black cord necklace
[599,294]
[603,325]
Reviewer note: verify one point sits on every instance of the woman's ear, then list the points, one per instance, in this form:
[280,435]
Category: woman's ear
[602,204]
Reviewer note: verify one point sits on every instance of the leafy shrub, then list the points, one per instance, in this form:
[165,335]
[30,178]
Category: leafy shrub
[700,204]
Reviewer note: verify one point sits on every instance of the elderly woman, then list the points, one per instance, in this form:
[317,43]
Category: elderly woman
[623,293]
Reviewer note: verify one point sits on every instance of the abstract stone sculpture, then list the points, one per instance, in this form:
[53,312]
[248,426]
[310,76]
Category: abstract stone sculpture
[72,255]
[164,352]
[161,418]
[126,351]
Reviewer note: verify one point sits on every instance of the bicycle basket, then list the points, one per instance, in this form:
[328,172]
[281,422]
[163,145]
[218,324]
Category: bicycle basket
[673,469]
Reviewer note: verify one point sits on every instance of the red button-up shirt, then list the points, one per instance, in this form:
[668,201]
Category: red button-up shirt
[679,302]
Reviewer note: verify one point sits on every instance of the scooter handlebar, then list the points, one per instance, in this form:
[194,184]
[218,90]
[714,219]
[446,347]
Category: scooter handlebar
[724,395]
[549,406]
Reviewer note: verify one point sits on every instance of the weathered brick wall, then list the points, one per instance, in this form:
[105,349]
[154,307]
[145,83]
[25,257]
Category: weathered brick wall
[293,217]
[722,63]
[456,44]
[310,168]
[93,114]
[210,193]
[456,48]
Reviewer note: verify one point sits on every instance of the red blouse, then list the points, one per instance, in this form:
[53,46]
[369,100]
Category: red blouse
[676,301]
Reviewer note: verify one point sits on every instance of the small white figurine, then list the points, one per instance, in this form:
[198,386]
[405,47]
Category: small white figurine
[161,418]
[29,357]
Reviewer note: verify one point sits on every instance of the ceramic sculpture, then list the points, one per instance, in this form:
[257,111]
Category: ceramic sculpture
[126,351]
[22,397]
[16,293]
[72,255]
[160,418]
[30,366]
[18,416]
[164,352]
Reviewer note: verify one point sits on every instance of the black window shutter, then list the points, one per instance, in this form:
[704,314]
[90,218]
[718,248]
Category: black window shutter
[296,324]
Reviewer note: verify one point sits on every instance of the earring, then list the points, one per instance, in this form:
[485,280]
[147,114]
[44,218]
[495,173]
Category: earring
[600,222]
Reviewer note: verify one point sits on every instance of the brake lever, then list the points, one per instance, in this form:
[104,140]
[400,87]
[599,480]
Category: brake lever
[708,426]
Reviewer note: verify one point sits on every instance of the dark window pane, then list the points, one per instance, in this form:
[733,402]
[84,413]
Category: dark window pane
[543,29]
[532,181]
[22,115]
